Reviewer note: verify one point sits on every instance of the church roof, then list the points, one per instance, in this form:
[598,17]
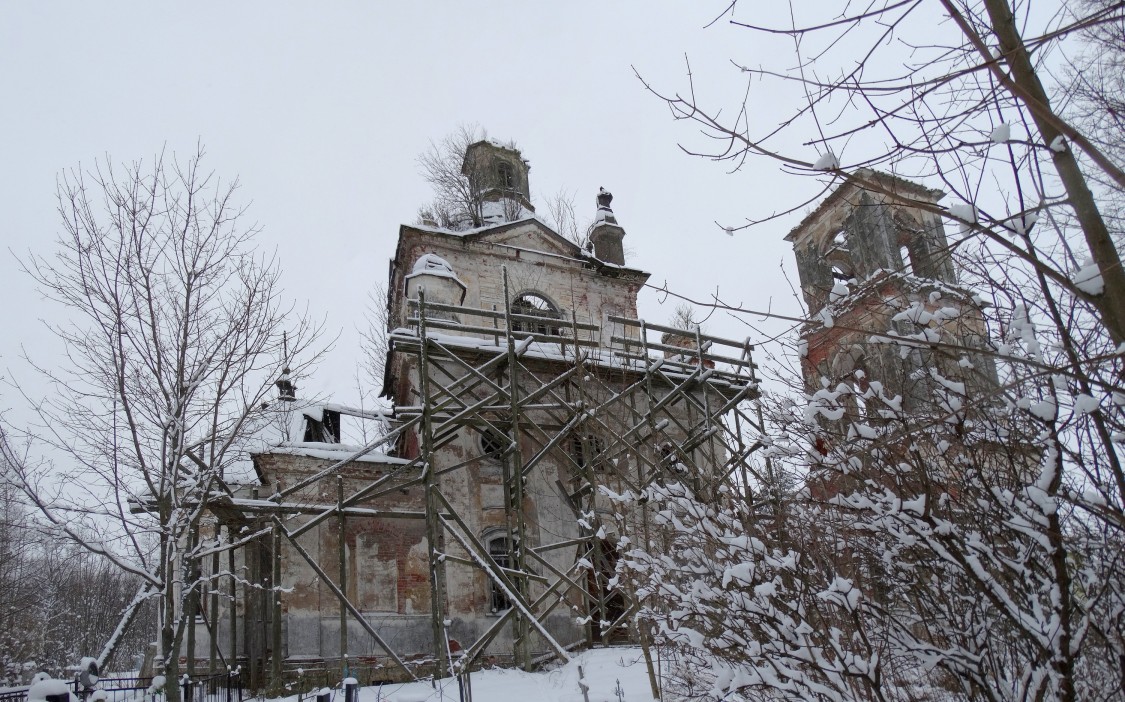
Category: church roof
[568,248]
[866,179]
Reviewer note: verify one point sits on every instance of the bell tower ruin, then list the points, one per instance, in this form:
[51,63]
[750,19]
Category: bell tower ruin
[879,280]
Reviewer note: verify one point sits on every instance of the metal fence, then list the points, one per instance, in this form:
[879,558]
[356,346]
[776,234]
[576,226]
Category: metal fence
[221,687]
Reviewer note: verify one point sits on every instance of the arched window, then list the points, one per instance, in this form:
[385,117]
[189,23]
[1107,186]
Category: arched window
[493,444]
[498,600]
[532,305]
[507,176]
[907,259]
[841,273]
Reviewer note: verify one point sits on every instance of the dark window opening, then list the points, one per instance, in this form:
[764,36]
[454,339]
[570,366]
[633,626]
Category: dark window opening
[498,550]
[531,305]
[587,451]
[839,257]
[493,444]
[325,431]
[507,175]
[670,459]
[607,604]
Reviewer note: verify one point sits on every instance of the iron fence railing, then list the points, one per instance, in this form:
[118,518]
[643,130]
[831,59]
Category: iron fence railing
[219,687]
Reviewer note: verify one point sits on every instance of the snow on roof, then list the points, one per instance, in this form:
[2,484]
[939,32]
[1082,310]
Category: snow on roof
[498,211]
[467,232]
[582,256]
[864,179]
[280,428]
[432,264]
[846,297]
[374,413]
[333,452]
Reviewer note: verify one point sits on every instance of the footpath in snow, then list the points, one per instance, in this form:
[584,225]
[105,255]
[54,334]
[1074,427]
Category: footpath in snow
[606,671]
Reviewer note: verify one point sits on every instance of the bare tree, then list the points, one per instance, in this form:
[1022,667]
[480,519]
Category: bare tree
[950,110]
[175,336]
[461,187]
[371,379]
[457,201]
[953,538]
[1095,99]
[19,586]
[562,213]
[58,602]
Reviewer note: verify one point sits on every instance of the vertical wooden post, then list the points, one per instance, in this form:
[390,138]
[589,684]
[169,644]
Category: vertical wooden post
[513,463]
[213,586]
[434,539]
[711,460]
[343,552]
[275,601]
[575,392]
[251,597]
[192,585]
[233,604]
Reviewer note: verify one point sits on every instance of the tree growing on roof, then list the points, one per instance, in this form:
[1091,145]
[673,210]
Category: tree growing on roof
[457,201]
[952,538]
[176,333]
[470,192]
[563,216]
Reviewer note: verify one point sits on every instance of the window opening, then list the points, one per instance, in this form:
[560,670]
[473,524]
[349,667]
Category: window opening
[507,175]
[608,603]
[588,450]
[532,305]
[838,256]
[907,263]
[498,549]
[323,431]
[493,444]
[669,458]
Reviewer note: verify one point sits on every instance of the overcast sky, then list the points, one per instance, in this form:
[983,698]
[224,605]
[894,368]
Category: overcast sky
[321,109]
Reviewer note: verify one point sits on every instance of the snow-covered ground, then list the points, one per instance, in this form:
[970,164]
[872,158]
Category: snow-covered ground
[603,669]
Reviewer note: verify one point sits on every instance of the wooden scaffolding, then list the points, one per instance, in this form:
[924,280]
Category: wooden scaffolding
[617,402]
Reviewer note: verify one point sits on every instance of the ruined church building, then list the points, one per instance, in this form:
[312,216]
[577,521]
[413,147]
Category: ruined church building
[530,408]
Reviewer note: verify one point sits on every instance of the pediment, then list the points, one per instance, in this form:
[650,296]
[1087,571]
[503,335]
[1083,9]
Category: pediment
[532,235]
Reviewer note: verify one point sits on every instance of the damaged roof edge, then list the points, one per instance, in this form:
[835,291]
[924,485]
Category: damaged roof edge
[863,179]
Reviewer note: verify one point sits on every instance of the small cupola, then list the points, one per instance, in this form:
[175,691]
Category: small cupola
[605,233]
[286,388]
[436,278]
[497,173]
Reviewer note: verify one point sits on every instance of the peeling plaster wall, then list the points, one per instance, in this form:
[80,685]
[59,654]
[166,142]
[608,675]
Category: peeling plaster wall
[386,558]
[571,284]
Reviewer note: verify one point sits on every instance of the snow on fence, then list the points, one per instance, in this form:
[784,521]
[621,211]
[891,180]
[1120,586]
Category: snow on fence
[221,687]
